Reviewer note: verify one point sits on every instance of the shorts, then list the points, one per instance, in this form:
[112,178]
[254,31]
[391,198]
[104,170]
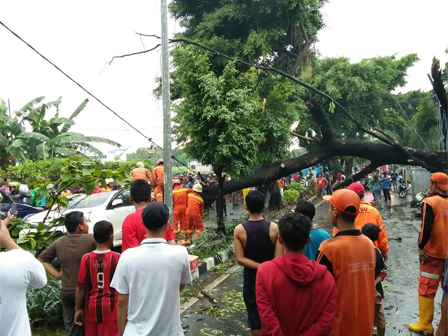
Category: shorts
[321,191]
[379,320]
[102,328]
[253,319]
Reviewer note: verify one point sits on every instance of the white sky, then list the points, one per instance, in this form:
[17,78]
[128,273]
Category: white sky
[80,37]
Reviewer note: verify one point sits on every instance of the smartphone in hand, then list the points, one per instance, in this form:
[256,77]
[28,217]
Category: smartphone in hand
[13,209]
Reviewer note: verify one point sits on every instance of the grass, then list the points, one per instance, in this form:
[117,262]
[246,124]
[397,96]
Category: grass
[50,330]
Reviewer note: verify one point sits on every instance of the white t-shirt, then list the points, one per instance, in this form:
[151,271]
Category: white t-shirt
[151,274]
[18,271]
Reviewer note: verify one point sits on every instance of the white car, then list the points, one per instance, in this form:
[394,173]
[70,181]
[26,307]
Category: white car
[112,206]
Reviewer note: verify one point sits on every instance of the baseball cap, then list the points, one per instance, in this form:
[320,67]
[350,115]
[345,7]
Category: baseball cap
[441,179]
[155,215]
[344,198]
[357,188]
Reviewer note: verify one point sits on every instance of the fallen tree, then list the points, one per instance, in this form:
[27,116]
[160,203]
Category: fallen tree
[378,153]
[382,151]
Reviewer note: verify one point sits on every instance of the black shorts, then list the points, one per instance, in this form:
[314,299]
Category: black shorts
[253,319]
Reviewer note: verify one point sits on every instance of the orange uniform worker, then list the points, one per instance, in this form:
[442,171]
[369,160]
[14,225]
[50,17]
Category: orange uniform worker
[350,258]
[195,210]
[433,249]
[157,180]
[368,214]
[180,199]
[140,173]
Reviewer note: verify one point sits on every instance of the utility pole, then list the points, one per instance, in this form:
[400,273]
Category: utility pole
[168,172]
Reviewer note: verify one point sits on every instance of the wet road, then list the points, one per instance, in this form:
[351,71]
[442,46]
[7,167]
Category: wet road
[228,316]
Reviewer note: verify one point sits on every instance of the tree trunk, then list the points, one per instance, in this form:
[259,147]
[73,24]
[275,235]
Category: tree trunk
[349,166]
[220,203]
[275,201]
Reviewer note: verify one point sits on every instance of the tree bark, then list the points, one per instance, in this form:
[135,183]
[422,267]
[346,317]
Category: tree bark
[219,202]
[275,201]
[349,166]
[375,152]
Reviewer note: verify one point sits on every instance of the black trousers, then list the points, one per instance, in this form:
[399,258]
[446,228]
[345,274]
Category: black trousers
[386,193]
[68,311]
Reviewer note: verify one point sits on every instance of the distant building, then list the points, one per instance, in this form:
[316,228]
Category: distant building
[116,154]
[198,167]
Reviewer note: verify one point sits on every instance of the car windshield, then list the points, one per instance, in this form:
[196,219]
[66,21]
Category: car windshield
[90,201]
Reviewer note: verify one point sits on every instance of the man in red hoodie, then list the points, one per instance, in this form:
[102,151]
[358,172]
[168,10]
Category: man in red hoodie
[292,278]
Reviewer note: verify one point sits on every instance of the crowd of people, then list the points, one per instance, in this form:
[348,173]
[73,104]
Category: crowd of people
[340,293]
[297,280]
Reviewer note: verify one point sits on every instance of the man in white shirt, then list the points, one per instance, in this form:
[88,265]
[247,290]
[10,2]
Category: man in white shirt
[149,279]
[19,270]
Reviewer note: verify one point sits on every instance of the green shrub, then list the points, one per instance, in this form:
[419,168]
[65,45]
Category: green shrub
[295,186]
[290,196]
[44,305]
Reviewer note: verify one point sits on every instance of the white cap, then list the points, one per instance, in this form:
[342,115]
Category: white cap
[140,164]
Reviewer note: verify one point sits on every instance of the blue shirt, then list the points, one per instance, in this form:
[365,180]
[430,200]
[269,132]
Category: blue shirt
[386,183]
[189,185]
[317,236]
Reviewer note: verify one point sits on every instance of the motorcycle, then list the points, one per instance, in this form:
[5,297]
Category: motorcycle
[403,188]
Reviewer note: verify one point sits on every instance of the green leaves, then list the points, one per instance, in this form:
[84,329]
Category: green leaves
[331,107]
[290,196]
[219,115]
[47,138]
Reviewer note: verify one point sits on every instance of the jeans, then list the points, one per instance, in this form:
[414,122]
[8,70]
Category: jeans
[68,312]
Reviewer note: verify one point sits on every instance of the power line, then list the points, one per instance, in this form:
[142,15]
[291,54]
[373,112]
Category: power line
[382,104]
[88,92]
[413,127]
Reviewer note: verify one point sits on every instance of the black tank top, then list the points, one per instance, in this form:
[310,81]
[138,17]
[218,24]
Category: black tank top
[259,247]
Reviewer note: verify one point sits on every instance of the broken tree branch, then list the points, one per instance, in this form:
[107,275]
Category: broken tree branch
[305,137]
[207,295]
[135,53]
[359,175]
[437,84]
[321,118]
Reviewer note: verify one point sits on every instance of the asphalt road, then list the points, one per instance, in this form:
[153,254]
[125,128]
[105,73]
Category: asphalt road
[201,316]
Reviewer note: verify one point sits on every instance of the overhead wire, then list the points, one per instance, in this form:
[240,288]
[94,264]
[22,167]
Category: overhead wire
[137,130]
[412,125]
[88,92]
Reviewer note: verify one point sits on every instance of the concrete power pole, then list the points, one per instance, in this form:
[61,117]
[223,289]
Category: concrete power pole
[168,185]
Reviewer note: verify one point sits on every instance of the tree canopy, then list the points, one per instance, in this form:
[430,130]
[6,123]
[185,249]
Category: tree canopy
[280,32]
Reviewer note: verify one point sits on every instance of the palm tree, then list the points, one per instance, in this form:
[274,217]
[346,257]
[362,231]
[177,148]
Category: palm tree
[9,129]
[49,138]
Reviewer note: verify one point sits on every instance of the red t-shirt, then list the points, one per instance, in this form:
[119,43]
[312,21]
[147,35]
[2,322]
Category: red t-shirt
[134,232]
[320,183]
[95,275]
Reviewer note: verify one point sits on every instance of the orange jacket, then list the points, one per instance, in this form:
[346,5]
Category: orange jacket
[351,258]
[368,214]
[281,184]
[433,236]
[195,203]
[157,176]
[180,196]
[140,174]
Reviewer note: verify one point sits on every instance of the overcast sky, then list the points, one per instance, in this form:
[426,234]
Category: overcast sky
[81,37]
